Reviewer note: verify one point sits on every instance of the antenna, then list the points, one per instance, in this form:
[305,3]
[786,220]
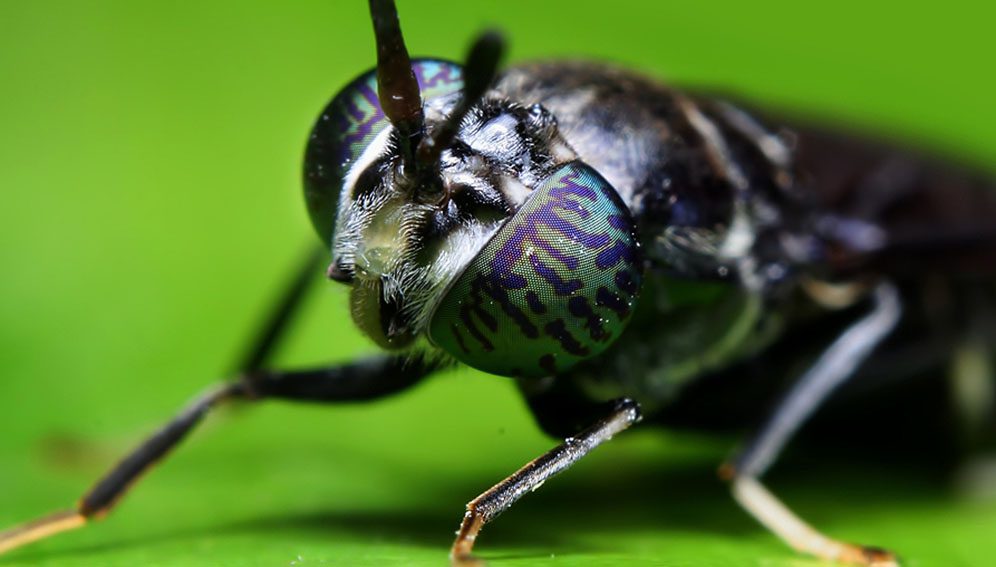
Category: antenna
[397,87]
[478,74]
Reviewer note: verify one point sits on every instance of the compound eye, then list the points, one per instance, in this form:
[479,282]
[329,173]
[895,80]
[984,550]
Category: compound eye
[347,127]
[555,285]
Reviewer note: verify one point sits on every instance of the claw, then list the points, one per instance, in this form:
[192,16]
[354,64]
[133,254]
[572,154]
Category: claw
[466,560]
[867,555]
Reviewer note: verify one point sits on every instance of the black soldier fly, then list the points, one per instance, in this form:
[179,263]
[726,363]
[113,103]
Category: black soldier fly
[557,222]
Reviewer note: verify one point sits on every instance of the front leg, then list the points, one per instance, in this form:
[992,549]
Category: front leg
[357,381]
[501,496]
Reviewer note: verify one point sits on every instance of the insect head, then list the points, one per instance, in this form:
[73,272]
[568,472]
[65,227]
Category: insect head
[464,217]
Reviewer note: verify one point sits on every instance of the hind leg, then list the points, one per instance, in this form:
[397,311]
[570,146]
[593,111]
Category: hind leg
[833,368]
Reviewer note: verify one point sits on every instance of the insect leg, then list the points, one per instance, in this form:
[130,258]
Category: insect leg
[833,368]
[361,380]
[264,343]
[501,496]
[99,500]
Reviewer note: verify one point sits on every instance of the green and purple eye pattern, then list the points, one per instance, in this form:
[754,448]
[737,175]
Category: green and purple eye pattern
[349,124]
[359,117]
[555,285]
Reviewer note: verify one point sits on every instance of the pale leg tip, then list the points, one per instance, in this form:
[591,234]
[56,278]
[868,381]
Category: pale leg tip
[465,560]
[870,556]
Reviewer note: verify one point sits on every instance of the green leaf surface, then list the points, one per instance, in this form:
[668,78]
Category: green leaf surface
[150,162]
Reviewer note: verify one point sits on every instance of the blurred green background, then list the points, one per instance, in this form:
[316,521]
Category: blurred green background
[149,164]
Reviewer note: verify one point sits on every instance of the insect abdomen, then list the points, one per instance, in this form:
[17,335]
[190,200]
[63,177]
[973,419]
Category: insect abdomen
[937,217]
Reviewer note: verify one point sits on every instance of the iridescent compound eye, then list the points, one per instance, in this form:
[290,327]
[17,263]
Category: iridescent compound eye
[348,126]
[554,286]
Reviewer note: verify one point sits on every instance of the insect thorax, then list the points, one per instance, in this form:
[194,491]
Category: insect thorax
[703,188]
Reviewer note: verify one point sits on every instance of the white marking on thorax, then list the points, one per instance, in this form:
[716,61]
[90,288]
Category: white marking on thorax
[771,145]
[740,235]
[716,147]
